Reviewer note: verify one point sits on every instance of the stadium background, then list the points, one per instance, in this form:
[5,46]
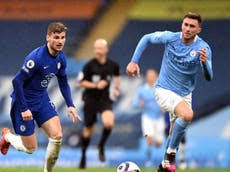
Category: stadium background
[23,26]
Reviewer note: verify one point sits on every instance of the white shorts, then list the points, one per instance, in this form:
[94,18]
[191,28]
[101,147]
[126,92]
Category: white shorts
[168,100]
[153,127]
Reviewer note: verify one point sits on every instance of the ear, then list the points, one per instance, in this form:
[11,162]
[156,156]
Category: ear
[182,25]
[47,37]
[199,30]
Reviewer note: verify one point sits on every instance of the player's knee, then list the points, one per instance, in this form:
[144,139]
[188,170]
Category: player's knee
[158,143]
[87,132]
[188,116]
[109,125]
[56,136]
[30,148]
[149,140]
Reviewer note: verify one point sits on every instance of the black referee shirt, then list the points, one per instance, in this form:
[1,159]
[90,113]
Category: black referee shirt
[93,71]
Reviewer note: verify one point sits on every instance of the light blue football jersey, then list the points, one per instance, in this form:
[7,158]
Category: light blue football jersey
[180,64]
[150,107]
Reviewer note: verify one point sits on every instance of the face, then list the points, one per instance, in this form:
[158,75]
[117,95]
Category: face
[100,48]
[56,40]
[190,28]
[151,76]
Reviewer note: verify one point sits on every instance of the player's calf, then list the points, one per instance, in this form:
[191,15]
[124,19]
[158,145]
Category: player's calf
[17,142]
[52,153]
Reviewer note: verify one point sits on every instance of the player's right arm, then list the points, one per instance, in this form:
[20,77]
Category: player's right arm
[29,67]
[154,38]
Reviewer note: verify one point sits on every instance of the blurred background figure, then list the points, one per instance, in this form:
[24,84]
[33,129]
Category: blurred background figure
[152,119]
[96,78]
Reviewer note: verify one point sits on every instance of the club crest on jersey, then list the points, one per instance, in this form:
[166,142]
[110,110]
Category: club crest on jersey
[59,65]
[30,64]
[22,128]
[193,53]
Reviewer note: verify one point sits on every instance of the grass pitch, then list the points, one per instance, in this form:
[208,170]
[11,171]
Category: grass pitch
[36,169]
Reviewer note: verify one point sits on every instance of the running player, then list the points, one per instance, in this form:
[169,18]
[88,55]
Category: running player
[30,100]
[184,53]
[96,79]
[152,119]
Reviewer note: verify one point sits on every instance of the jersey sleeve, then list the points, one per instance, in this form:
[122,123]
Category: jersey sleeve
[63,83]
[207,66]
[116,71]
[86,72]
[161,37]
[154,38]
[30,66]
[62,70]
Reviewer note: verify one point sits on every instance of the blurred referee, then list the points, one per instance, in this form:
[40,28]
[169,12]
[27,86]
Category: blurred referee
[96,78]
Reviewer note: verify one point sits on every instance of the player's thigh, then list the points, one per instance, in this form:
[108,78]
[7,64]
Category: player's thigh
[183,111]
[88,131]
[25,129]
[107,117]
[90,110]
[159,126]
[173,103]
[52,128]
[167,99]
[146,125]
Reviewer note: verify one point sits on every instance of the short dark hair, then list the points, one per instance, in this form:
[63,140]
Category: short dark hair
[56,27]
[195,16]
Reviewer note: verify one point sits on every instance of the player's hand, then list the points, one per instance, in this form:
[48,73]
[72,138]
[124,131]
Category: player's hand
[203,55]
[72,112]
[133,69]
[142,102]
[27,115]
[102,84]
[116,92]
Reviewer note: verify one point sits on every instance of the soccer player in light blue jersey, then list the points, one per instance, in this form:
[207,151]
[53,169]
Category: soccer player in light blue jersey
[30,100]
[185,53]
[152,119]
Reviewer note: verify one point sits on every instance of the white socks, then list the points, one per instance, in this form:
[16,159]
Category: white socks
[170,150]
[16,142]
[181,151]
[52,153]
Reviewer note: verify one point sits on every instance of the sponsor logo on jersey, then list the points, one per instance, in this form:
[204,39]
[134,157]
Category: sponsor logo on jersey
[25,69]
[22,128]
[193,53]
[59,65]
[30,64]
[45,82]
[45,67]
[52,104]
[96,78]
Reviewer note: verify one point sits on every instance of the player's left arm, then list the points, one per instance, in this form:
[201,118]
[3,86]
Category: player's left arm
[66,92]
[206,62]
[117,80]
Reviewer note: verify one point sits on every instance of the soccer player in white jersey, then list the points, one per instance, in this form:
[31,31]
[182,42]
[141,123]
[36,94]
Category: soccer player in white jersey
[185,53]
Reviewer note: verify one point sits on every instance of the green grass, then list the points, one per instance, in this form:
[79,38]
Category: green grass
[19,169]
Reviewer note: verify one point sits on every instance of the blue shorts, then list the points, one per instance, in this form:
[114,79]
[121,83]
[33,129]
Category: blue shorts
[42,114]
